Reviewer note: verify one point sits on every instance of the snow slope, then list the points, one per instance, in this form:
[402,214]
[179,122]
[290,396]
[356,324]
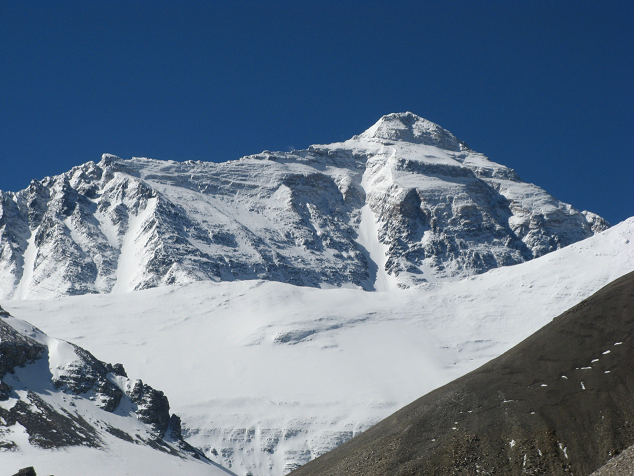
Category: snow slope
[267,375]
[121,459]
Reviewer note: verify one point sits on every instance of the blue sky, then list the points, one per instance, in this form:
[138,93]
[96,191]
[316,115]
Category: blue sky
[543,87]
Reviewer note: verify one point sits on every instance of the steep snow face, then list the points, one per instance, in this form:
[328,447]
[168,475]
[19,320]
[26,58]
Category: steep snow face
[402,204]
[56,396]
[267,375]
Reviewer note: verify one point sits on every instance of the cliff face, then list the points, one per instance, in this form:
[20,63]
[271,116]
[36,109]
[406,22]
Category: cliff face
[401,204]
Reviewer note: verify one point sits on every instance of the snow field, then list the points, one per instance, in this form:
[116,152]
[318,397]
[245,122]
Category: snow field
[267,375]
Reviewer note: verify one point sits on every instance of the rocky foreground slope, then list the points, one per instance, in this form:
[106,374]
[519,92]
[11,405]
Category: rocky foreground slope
[401,204]
[57,398]
[620,465]
[557,403]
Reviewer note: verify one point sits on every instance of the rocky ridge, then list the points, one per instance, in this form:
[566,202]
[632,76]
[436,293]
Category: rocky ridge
[60,396]
[401,204]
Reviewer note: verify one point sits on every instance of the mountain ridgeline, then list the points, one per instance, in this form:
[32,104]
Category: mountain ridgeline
[401,204]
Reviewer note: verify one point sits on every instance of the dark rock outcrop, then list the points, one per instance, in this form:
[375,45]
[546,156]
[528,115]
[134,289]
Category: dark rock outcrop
[16,350]
[87,373]
[47,428]
[105,385]
[557,403]
[30,471]
[153,407]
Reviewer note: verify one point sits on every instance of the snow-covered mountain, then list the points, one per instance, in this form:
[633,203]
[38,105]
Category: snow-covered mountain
[401,204]
[64,411]
[267,375]
[251,276]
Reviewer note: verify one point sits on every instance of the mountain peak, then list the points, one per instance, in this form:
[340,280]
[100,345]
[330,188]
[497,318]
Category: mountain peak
[108,158]
[409,127]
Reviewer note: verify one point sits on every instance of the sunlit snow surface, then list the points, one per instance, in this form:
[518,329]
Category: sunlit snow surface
[120,459]
[267,375]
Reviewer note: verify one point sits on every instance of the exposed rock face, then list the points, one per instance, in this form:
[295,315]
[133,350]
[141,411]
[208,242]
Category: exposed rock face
[403,203]
[46,426]
[557,403]
[16,349]
[57,391]
[89,374]
[30,471]
[153,408]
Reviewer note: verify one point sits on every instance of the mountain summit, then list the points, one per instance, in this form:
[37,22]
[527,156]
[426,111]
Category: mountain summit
[399,205]
[409,127]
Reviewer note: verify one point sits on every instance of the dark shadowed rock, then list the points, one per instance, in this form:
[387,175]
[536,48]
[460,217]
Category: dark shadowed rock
[26,472]
[152,406]
[88,373]
[560,402]
[16,350]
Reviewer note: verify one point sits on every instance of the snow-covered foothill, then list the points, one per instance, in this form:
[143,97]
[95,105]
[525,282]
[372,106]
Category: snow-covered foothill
[63,411]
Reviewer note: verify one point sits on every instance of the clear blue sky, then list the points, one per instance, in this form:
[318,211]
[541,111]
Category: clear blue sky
[545,87]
